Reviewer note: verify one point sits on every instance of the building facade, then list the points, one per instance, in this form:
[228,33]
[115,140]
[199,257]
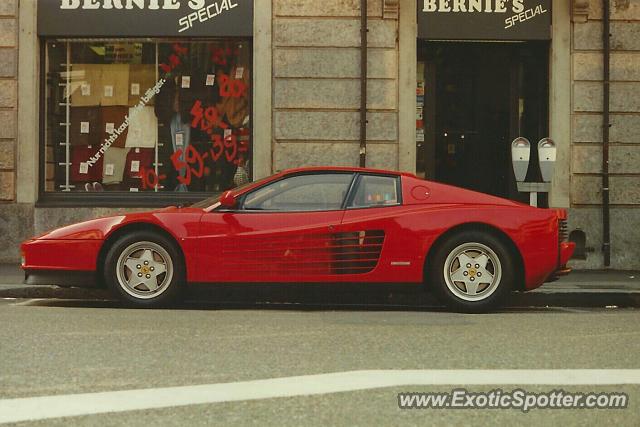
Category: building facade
[111,105]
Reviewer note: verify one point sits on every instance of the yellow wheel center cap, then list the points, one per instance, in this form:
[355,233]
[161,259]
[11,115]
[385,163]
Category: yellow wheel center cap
[145,269]
[472,272]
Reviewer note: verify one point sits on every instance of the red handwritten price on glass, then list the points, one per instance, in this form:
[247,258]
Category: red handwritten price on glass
[230,146]
[221,55]
[193,164]
[174,58]
[150,179]
[207,119]
[232,87]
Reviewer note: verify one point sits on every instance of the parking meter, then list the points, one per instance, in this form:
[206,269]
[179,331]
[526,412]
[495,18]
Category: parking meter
[546,158]
[520,154]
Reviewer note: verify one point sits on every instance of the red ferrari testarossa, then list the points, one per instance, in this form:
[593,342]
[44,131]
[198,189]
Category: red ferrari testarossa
[324,224]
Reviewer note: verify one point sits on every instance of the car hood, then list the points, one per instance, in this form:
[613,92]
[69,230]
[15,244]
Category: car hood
[99,228]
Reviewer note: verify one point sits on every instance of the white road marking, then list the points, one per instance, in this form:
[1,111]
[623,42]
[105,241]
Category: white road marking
[45,407]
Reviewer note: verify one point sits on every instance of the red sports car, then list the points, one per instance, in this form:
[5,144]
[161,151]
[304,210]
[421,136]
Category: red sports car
[315,225]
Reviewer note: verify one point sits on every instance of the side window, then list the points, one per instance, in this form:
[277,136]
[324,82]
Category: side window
[375,190]
[313,192]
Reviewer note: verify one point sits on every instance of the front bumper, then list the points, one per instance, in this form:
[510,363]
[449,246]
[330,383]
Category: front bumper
[63,278]
[60,254]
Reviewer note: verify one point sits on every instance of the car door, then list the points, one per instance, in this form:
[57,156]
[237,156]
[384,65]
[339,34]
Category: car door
[384,247]
[282,231]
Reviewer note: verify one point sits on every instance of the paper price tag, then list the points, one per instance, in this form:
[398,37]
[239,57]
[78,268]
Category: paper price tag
[84,168]
[186,82]
[133,189]
[109,169]
[227,133]
[108,91]
[85,89]
[84,127]
[211,79]
[135,166]
[239,72]
[109,127]
[179,139]
[135,88]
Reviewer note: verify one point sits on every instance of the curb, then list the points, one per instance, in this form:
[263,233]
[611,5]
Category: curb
[257,296]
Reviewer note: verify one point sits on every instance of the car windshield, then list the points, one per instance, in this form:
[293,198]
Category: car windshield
[213,199]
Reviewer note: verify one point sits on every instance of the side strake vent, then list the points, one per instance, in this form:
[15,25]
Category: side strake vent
[355,252]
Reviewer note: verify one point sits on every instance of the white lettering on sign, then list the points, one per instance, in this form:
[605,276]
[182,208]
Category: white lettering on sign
[205,13]
[149,94]
[485,6]
[128,4]
[524,16]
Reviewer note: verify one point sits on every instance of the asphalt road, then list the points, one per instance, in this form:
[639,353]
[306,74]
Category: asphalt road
[60,347]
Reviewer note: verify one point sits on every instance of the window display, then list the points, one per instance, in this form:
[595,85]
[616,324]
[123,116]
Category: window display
[129,115]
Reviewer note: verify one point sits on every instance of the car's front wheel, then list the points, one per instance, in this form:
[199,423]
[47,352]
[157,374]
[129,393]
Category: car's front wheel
[145,269]
[472,271]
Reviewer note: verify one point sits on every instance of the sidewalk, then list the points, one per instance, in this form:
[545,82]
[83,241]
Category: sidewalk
[587,288]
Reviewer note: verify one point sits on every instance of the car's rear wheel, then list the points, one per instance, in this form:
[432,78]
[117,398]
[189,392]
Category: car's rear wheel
[144,269]
[472,271]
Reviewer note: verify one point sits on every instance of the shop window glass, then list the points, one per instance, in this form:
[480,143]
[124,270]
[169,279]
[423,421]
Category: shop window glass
[125,115]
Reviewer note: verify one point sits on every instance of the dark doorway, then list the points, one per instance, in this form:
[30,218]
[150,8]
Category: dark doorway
[477,98]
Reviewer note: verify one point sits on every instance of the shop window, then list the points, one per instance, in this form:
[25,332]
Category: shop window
[147,116]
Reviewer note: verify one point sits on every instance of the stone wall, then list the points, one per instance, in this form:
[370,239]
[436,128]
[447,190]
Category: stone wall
[8,97]
[624,151]
[316,84]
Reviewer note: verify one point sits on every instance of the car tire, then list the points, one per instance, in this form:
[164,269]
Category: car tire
[472,272]
[144,269]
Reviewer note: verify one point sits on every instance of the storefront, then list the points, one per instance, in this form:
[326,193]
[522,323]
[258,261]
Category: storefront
[482,80]
[114,105]
[144,100]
